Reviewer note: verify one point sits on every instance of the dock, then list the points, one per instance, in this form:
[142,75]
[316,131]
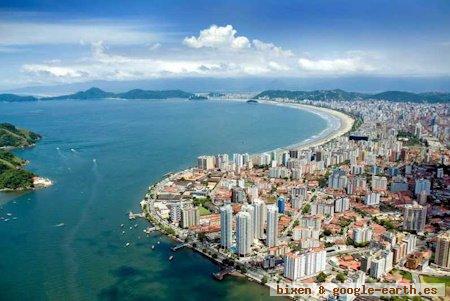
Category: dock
[177,247]
[219,275]
[132,215]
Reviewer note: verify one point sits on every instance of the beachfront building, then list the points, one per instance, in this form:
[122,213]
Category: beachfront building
[226,215]
[244,233]
[260,215]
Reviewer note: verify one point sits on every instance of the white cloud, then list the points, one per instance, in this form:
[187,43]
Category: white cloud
[218,37]
[40,33]
[339,65]
[53,71]
[272,49]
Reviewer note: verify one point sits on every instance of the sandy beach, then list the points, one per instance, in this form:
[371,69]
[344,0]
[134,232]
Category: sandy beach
[338,124]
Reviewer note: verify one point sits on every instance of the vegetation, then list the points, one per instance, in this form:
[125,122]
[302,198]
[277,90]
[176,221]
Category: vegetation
[96,93]
[12,176]
[322,277]
[412,139]
[341,95]
[16,98]
[432,279]
[341,277]
[10,136]
[306,209]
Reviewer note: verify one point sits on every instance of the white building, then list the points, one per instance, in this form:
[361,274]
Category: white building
[272,226]
[372,199]
[414,217]
[298,266]
[259,221]
[244,233]
[226,222]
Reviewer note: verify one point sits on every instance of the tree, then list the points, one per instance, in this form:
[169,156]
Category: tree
[321,277]
[264,279]
[341,277]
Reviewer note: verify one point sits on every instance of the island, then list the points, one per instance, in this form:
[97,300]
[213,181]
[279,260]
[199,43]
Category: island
[13,176]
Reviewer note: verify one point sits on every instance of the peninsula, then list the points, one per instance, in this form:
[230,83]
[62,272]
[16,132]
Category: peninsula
[12,174]
[348,206]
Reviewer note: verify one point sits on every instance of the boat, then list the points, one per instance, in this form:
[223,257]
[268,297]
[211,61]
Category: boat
[153,247]
[60,225]
[135,225]
[123,232]
[127,244]
[171,257]
[122,225]
[252,101]
[158,242]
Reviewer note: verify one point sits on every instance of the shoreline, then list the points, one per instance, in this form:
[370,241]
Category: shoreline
[335,119]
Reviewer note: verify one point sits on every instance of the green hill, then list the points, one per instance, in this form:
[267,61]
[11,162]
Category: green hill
[12,174]
[10,136]
[16,98]
[96,93]
[341,95]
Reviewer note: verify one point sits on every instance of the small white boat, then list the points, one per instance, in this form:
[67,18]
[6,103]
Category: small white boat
[60,225]
[122,225]
[15,217]
[8,214]
[171,257]
[127,244]
[158,242]
[123,232]
[131,228]
[153,247]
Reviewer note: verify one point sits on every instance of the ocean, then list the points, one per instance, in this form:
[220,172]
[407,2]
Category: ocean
[66,242]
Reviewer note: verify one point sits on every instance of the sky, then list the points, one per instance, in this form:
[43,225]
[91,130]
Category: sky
[67,42]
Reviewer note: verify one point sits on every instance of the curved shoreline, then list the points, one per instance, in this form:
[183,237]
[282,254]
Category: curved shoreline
[338,124]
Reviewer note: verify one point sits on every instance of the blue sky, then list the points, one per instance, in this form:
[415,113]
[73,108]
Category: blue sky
[60,42]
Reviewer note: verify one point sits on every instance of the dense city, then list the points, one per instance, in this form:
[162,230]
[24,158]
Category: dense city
[369,206]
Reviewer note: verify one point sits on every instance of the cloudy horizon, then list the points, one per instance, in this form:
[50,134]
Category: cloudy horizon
[49,45]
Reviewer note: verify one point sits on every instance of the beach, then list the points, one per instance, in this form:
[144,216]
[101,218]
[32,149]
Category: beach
[338,124]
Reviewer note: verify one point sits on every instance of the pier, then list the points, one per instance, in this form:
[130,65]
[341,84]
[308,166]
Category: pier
[132,215]
[219,275]
[177,247]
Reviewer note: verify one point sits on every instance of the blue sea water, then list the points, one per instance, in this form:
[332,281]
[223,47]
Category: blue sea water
[134,143]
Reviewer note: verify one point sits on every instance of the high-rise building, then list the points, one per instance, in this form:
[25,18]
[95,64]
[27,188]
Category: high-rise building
[272,226]
[297,266]
[205,162]
[244,233]
[372,199]
[238,195]
[337,180]
[260,215]
[362,235]
[175,213]
[442,255]
[281,204]
[226,222]
[251,210]
[189,217]
[379,183]
[414,217]
[422,185]
[341,204]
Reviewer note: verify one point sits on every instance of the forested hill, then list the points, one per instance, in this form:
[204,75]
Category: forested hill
[341,95]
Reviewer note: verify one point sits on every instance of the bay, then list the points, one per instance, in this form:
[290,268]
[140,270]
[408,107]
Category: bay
[67,243]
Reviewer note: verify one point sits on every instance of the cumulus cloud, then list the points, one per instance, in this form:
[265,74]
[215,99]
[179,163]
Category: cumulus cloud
[218,37]
[339,65]
[272,49]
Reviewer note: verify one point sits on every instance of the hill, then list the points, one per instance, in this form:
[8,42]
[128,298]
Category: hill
[10,136]
[96,93]
[341,95]
[16,98]
[12,174]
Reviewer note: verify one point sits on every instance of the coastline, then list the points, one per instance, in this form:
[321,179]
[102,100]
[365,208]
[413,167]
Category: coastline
[338,125]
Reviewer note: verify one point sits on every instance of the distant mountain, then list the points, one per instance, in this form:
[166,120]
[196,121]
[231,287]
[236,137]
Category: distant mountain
[91,93]
[16,98]
[96,93]
[341,95]
[153,94]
